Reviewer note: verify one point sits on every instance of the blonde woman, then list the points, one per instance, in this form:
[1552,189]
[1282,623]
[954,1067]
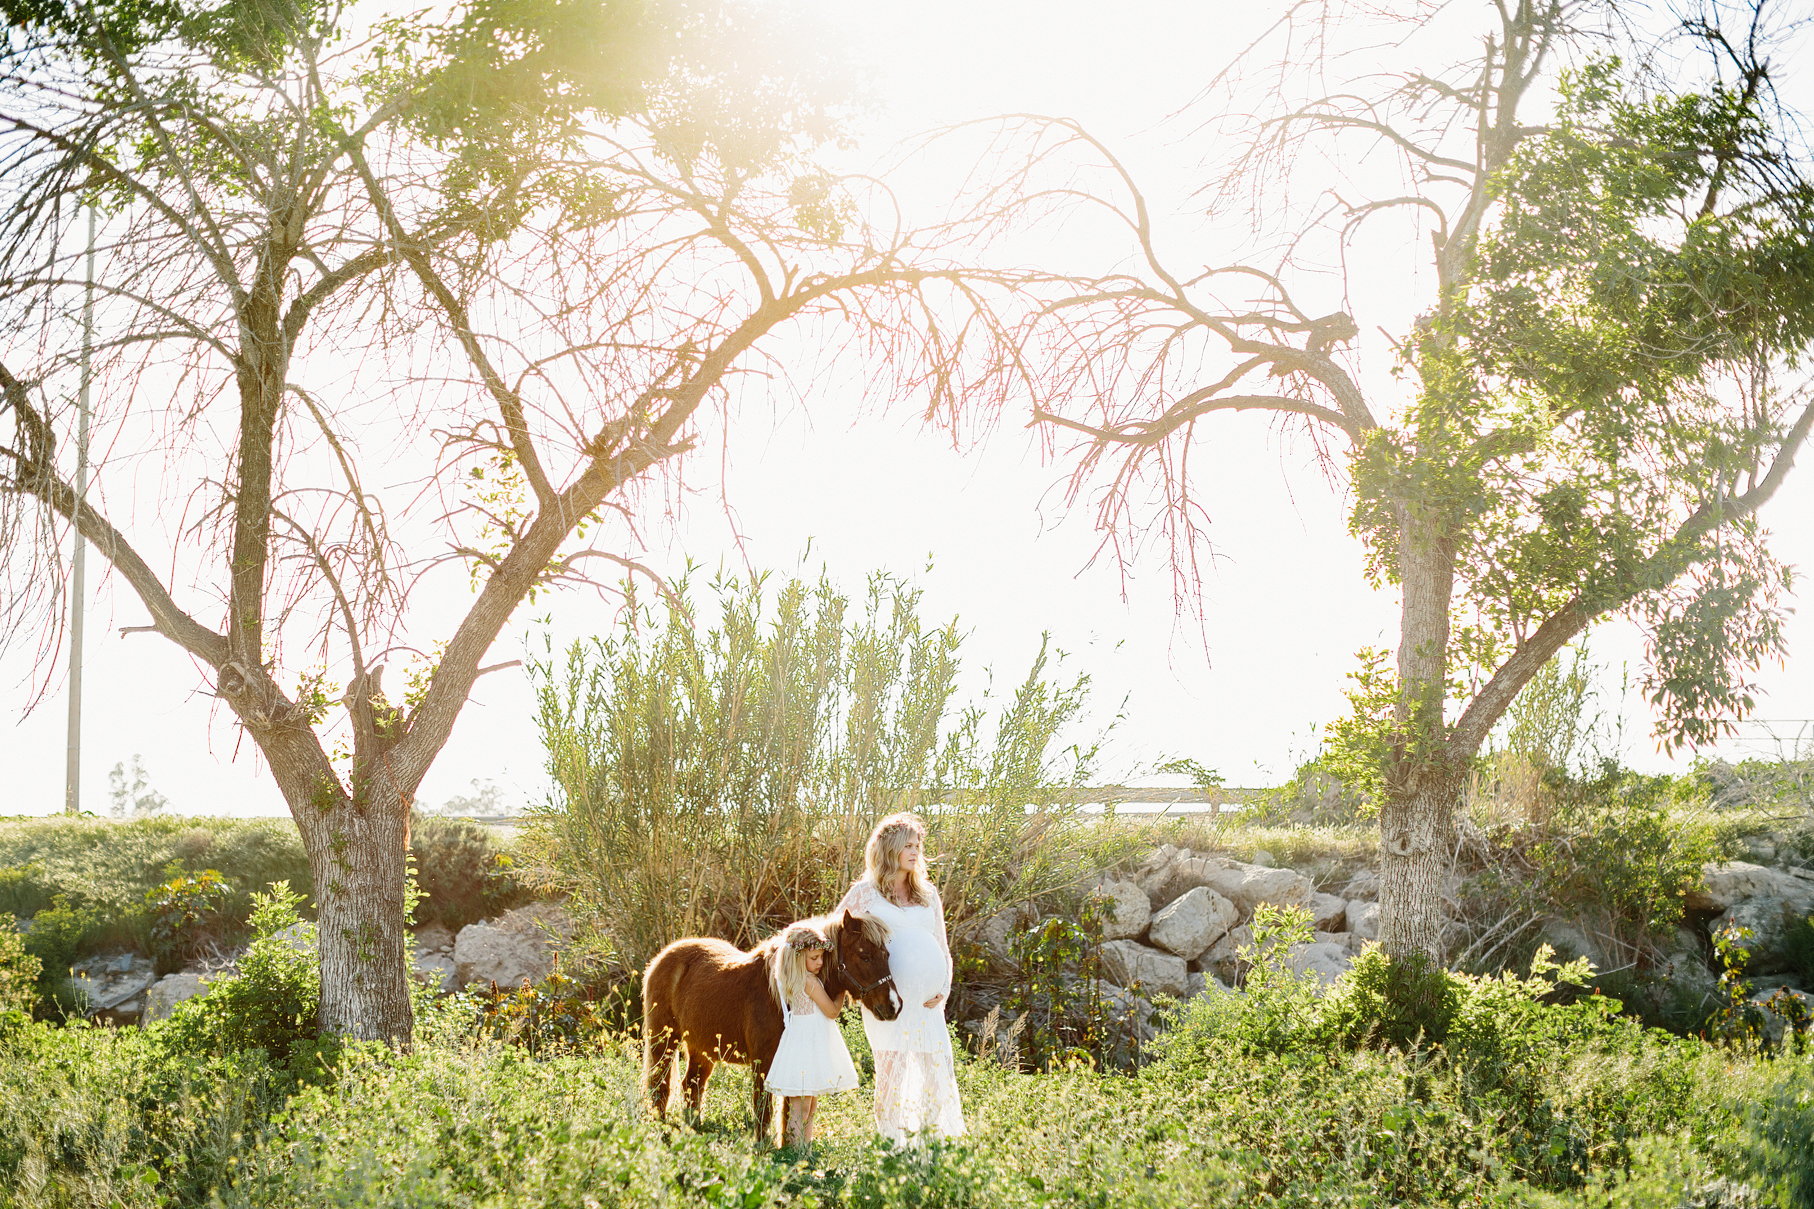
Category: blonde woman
[916,1087]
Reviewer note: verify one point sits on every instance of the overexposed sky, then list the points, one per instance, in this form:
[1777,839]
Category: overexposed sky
[984,532]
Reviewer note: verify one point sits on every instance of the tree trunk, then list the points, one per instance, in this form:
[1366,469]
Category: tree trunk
[358,855]
[1417,818]
[1415,851]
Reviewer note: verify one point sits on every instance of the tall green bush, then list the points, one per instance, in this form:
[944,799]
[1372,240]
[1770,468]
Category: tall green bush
[112,865]
[463,873]
[1629,845]
[722,780]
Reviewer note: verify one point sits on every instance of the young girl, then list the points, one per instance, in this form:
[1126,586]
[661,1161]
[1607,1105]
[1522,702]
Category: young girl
[812,1058]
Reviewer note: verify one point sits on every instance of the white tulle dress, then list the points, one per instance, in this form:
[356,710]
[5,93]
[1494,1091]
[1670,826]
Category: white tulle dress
[812,1059]
[916,1087]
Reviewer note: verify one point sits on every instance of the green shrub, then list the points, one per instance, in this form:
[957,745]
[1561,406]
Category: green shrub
[463,874]
[108,1116]
[186,915]
[1772,1146]
[111,867]
[25,890]
[1404,1003]
[19,972]
[1056,1006]
[1629,844]
[1800,948]
[272,1004]
[58,937]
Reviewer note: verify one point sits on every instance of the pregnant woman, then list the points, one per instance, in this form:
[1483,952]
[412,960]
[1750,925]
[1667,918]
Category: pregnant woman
[916,1088]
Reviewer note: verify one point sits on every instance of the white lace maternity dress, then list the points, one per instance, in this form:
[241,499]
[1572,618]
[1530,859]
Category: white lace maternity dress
[916,1088]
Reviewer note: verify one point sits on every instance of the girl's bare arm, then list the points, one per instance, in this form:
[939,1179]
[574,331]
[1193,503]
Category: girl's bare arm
[816,991]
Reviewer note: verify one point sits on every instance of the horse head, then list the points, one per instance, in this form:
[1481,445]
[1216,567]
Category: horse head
[860,964]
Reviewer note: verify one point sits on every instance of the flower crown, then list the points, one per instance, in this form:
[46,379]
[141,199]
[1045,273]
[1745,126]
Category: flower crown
[806,942]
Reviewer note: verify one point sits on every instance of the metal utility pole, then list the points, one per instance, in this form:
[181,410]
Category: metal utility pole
[72,794]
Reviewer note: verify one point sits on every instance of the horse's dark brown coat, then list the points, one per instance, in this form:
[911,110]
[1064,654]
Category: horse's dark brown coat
[719,1002]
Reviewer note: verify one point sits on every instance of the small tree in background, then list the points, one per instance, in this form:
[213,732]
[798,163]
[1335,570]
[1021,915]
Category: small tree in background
[1600,393]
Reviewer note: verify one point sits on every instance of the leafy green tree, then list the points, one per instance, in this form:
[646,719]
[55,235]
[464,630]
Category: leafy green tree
[1620,276]
[373,301]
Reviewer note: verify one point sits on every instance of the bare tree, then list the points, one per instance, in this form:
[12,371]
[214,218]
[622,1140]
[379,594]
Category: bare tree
[370,306]
[1588,414]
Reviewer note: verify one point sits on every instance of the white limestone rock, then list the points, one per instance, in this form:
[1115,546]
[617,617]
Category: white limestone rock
[1199,983]
[517,947]
[1246,886]
[1329,912]
[1124,962]
[1128,1010]
[1363,919]
[1570,940]
[436,970]
[164,994]
[1774,1025]
[1324,962]
[434,938]
[1128,909]
[1229,948]
[1725,886]
[1772,920]
[1155,873]
[1189,924]
[1363,886]
[110,984]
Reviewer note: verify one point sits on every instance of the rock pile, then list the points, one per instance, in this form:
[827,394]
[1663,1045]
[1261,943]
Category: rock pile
[518,946]
[113,987]
[1201,906]
[1772,903]
[1175,925]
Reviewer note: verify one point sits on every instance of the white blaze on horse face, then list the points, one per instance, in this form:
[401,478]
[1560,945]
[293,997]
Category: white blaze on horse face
[895,1001]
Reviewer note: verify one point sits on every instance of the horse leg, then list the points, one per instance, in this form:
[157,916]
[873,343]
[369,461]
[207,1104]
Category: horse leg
[699,1070]
[658,1067]
[762,1105]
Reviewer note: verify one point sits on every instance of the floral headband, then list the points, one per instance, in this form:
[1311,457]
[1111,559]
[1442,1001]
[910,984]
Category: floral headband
[806,941]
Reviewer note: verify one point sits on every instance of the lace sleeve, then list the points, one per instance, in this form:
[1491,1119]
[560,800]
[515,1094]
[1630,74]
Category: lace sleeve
[866,901]
[859,899]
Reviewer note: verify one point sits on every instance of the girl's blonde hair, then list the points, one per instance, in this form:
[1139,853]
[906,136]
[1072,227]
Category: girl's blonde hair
[882,856]
[787,968]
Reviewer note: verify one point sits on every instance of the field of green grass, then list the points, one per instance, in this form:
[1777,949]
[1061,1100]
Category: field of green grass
[1493,1092]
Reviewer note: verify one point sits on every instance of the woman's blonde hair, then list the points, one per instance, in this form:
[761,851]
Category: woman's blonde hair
[882,856]
[787,968]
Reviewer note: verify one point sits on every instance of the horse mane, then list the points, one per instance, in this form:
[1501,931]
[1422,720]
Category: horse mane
[873,929]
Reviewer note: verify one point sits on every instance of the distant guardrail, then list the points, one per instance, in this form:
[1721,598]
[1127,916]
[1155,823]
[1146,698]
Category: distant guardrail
[1181,801]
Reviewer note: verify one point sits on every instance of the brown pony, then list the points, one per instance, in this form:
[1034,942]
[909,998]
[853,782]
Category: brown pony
[721,1004]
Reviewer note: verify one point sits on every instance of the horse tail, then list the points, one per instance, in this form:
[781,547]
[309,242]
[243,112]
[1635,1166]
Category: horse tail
[660,1022]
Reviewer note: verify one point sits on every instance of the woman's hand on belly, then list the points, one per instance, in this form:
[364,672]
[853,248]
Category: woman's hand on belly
[935,1001]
